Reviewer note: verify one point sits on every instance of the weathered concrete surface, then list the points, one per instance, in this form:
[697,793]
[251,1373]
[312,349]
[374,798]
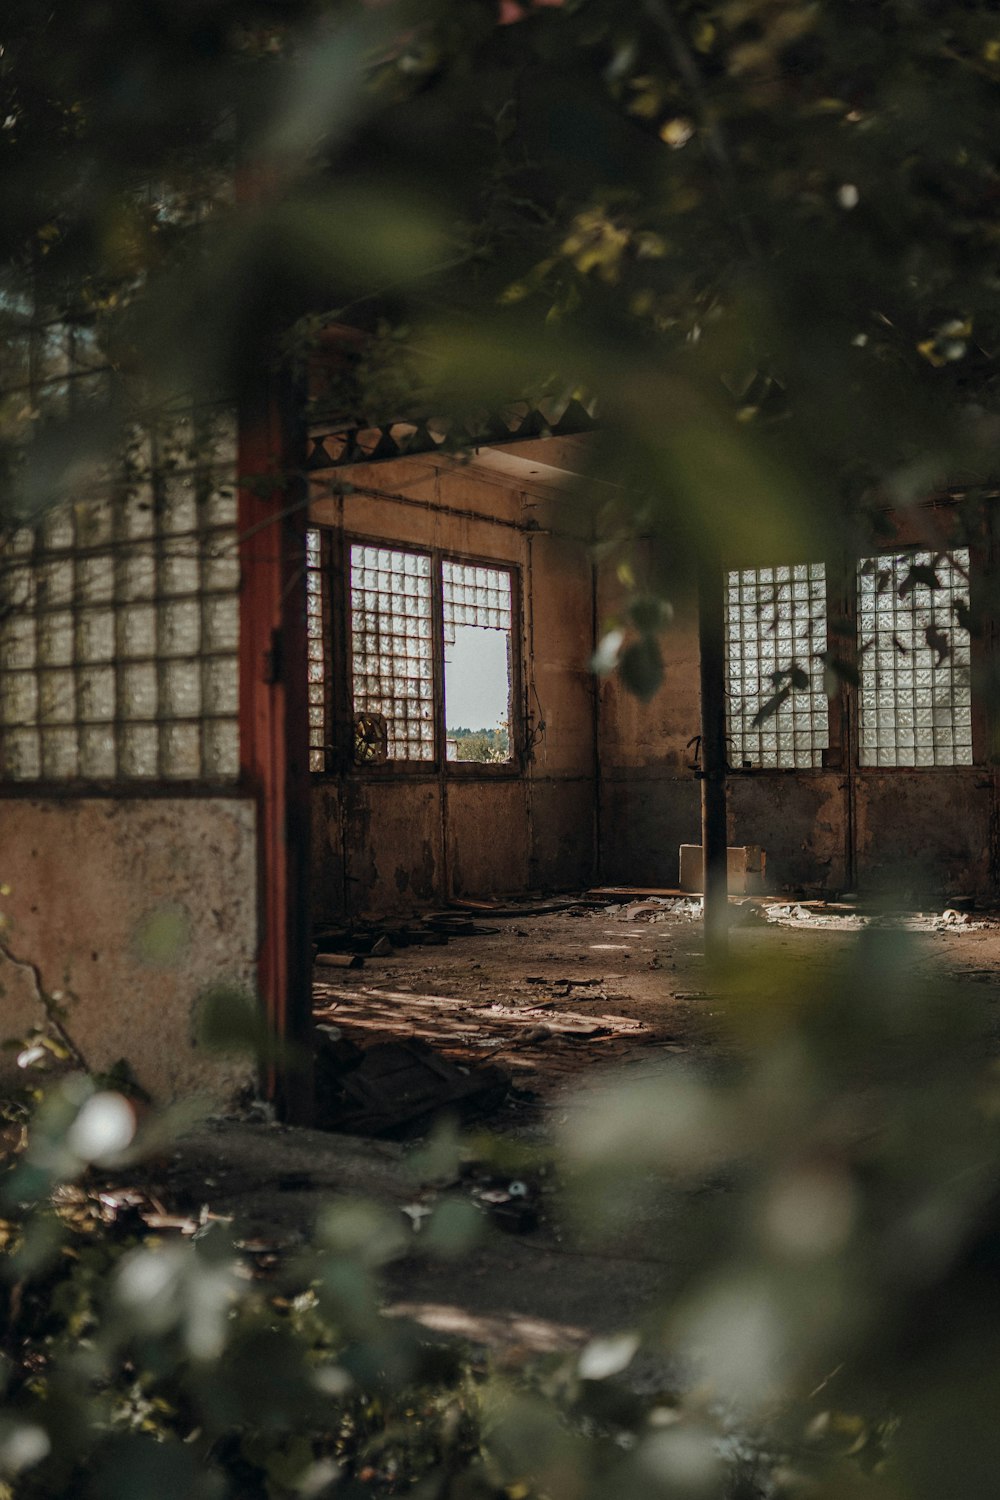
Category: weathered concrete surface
[392,843]
[536,1292]
[563,826]
[488,836]
[799,818]
[645,817]
[327,852]
[130,910]
[924,832]
[650,799]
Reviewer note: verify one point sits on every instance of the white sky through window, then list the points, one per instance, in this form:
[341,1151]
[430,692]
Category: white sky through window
[477,678]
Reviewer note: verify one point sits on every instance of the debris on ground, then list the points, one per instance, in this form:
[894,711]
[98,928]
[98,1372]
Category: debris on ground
[511,1206]
[521,1037]
[656,908]
[339,960]
[794,912]
[397,1087]
[843,916]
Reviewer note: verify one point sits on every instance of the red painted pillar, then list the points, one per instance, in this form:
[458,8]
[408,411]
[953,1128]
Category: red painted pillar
[274,739]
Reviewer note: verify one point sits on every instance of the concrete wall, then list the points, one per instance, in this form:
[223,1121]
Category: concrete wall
[393,839]
[129,908]
[801,819]
[649,798]
[925,832]
[611,776]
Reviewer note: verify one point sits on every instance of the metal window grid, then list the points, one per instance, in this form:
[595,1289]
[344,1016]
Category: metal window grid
[474,595]
[392,645]
[916,696]
[119,625]
[318,674]
[776,620]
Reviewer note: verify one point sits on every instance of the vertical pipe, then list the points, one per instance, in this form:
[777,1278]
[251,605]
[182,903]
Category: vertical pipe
[714,839]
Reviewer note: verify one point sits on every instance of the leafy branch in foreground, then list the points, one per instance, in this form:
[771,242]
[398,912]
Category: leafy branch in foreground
[822,1207]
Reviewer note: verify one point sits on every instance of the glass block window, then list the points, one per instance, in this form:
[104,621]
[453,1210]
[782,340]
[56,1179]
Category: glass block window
[915,659]
[316,633]
[776,629]
[119,624]
[477,623]
[392,637]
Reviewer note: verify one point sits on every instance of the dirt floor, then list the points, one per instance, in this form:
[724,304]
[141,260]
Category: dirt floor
[558,999]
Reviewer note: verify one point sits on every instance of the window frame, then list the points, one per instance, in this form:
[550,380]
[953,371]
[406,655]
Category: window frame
[832,717]
[335,550]
[914,552]
[843,755]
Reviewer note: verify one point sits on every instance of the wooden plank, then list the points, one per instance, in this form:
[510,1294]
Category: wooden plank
[637,890]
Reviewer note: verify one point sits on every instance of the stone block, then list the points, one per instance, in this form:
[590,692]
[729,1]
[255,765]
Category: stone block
[746,865]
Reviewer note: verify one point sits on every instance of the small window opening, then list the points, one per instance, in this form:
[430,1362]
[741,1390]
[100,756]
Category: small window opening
[478,682]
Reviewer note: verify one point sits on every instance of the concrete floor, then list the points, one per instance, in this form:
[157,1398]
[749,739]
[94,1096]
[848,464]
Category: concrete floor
[562,1001]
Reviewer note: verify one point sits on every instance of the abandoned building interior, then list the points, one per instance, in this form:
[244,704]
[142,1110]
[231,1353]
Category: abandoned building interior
[224,716]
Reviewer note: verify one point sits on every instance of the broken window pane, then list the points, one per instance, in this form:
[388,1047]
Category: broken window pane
[476,615]
[914,660]
[391,631]
[775,630]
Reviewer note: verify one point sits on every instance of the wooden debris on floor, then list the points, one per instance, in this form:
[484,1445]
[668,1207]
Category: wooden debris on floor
[523,1039]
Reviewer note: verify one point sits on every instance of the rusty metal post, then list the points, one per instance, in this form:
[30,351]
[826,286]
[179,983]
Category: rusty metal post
[274,743]
[714,837]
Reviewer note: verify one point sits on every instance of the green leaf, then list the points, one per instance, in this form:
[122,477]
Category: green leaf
[229,1020]
[836,671]
[641,667]
[649,613]
[454,1228]
[161,938]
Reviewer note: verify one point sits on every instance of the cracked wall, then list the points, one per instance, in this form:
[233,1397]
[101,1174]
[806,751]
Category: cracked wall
[129,910]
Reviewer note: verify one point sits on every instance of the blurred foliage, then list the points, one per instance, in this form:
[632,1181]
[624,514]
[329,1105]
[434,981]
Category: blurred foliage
[822,1201]
[761,235]
[489,745]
